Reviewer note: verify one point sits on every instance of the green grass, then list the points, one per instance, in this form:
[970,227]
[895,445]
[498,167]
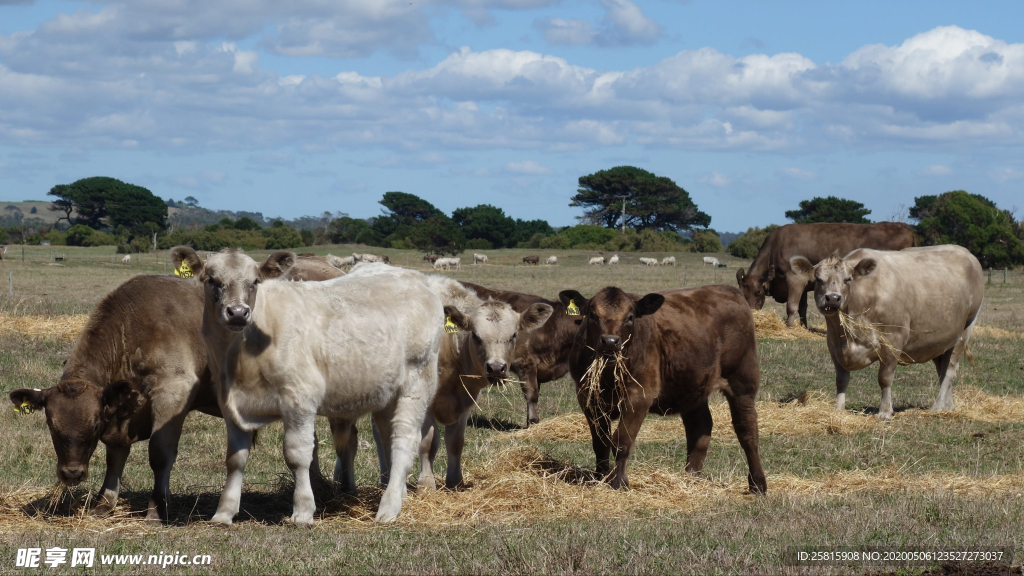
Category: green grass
[741,534]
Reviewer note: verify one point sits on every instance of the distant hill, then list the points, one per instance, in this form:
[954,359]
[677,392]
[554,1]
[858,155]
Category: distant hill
[42,215]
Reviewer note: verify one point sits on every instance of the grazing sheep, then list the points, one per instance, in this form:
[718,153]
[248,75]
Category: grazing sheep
[710,260]
[126,259]
[668,260]
[597,260]
[613,260]
[552,260]
[479,258]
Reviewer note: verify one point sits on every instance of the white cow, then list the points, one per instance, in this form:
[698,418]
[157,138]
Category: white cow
[455,262]
[613,260]
[341,262]
[289,351]
[552,260]
[442,264]
[649,261]
[710,260]
[668,260]
[479,258]
[597,260]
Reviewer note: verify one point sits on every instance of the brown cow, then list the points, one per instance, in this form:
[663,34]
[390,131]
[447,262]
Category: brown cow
[771,273]
[432,258]
[679,346]
[531,259]
[542,355]
[136,371]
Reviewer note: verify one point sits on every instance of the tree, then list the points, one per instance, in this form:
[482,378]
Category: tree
[191,201]
[527,229]
[972,221]
[748,244]
[402,212]
[347,230]
[829,209]
[486,222]
[651,201]
[438,235]
[101,201]
[281,237]
[706,241]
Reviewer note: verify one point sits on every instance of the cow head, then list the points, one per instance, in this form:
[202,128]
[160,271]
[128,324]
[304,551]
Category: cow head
[493,328]
[608,317]
[832,277]
[230,280]
[79,414]
[755,288]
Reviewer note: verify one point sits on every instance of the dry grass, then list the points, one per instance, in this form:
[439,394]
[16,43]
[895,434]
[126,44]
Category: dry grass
[769,326]
[66,327]
[992,332]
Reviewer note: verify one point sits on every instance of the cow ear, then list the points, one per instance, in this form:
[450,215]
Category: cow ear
[535,316]
[277,264]
[740,275]
[27,400]
[575,303]
[460,320]
[193,264]
[770,275]
[802,266]
[649,304]
[865,267]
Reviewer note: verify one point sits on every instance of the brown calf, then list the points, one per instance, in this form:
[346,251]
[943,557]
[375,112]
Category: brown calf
[531,259]
[678,347]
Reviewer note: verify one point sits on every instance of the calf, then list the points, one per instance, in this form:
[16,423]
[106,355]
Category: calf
[542,355]
[363,343]
[455,262]
[442,263]
[596,260]
[710,260]
[552,260]
[649,261]
[482,258]
[138,368]
[126,259]
[676,347]
[668,260]
[904,307]
[613,260]
[531,259]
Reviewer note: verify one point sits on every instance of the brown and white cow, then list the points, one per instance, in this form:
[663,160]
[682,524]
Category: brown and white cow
[679,346]
[542,355]
[138,368]
[905,307]
[770,272]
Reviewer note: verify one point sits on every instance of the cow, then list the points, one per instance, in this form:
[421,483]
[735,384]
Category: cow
[3,251]
[551,261]
[477,355]
[432,258]
[596,260]
[613,260]
[482,258]
[126,259]
[442,263]
[138,368]
[363,343]
[710,260]
[341,261]
[668,260]
[370,258]
[542,355]
[531,259]
[770,272]
[677,347]
[649,261]
[455,262]
[904,307]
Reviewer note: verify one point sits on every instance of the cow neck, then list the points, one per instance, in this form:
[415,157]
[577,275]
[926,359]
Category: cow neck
[565,328]
[759,266]
[459,385]
[103,352]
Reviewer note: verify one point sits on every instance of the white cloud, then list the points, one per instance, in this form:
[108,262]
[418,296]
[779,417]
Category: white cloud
[569,32]
[527,167]
[624,24]
[936,170]
[715,179]
[797,173]
[1004,175]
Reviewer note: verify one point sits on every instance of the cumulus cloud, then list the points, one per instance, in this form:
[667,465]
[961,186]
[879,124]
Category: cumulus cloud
[624,23]
[715,179]
[936,170]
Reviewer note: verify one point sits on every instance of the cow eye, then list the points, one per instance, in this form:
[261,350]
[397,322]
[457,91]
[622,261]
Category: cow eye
[257,282]
[630,319]
[847,281]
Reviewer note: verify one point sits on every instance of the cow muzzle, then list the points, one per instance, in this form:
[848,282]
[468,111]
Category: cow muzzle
[72,475]
[830,303]
[236,317]
[609,344]
[496,370]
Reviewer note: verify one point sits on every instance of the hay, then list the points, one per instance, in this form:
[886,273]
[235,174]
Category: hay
[54,327]
[992,332]
[767,325]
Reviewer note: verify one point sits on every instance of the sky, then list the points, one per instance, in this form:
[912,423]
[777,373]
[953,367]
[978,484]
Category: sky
[300,107]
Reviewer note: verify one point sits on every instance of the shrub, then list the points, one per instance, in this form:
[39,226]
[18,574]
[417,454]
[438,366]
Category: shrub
[587,234]
[747,245]
[706,241]
[479,244]
[78,234]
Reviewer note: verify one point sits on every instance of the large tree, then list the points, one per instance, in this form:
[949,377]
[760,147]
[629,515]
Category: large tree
[438,235]
[972,221]
[651,201]
[486,222]
[402,211]
[830,209]
[108,202]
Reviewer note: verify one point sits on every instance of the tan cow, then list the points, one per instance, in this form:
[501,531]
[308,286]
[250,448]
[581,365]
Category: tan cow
[905,307]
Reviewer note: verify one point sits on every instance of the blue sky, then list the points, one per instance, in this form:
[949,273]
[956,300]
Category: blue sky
[293,108]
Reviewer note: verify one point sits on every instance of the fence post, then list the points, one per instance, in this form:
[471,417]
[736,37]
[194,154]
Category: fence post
[10,284]
[989,275]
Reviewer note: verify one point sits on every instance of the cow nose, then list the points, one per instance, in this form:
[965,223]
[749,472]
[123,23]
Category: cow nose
[833,299]
[497,368]
[72,474]
[611,342]
[238,312]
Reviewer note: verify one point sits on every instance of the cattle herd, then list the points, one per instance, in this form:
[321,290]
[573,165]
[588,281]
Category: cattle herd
[293,337]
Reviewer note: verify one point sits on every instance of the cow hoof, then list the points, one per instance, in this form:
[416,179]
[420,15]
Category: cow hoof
[384,516]
[758,486]
[886,416]
[427,484]
[223,518]
[153,521]
[101,510]
[303,520]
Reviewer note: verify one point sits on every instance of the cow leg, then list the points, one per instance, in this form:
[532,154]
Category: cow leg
[163,451]
[698,424]
[531,392]
[239,445]
[634,411]
[802,309]
[346,443]
[886,372]
[408,414]
[947,369]
[117,456]
[795,301]
[429,445]
[382,439]
[842,382]
[744,422]
[454,442]
[299,436]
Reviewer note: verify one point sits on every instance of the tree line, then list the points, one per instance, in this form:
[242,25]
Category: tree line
[624,209]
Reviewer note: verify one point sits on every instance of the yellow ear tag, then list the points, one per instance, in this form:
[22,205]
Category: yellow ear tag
[450,326]
[184,271]
[572,309]
[25,408]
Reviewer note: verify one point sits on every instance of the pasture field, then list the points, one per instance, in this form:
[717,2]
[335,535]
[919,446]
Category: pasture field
[950,480]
